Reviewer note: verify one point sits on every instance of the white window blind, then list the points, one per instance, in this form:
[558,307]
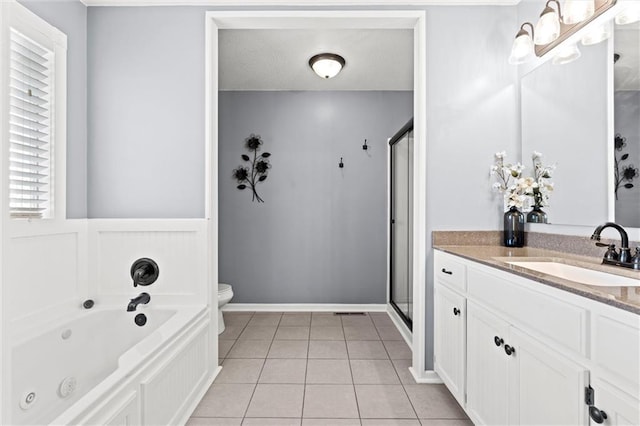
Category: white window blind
[30,141]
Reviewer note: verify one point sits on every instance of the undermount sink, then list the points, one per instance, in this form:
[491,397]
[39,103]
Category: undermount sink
[578,274]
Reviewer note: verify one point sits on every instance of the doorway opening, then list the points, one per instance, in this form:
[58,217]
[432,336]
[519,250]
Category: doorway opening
[363,19]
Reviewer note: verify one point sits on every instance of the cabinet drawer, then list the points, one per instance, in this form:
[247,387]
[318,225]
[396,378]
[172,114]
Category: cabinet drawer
[450,271]
[615,344]
[555,319]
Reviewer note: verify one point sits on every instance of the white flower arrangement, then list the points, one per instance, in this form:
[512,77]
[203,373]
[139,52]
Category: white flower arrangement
[517,189]
[543,187]
[508,180]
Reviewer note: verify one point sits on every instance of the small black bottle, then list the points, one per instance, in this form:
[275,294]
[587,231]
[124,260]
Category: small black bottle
[513,228]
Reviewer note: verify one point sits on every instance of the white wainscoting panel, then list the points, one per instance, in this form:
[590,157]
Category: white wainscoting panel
[44,271]
[165,396]
[179,247]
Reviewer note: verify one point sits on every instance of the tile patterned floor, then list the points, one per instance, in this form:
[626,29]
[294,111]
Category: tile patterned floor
[319,369]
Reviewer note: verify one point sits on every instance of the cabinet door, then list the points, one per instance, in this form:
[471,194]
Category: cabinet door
[450,340]
[619,407]
[487,367]
[545,387]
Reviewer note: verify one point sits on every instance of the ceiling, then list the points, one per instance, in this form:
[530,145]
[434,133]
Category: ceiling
[339,3]
[627,45]
[261,59]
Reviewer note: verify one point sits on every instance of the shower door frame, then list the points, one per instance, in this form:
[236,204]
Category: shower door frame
[339,18]
[397,138]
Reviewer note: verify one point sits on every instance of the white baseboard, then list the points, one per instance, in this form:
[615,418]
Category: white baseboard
[429,376]
[303,307]
[400,325]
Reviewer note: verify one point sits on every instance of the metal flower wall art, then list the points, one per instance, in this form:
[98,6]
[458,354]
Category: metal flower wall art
[624,174]
[250,175]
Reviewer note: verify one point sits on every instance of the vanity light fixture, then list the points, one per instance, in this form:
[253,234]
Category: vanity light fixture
[566,54]
[556,25]
[326,65]
[597,34]
[629,14]
[522,49]
[548,26]
[577,10]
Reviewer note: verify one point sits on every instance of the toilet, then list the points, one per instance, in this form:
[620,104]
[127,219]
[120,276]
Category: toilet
[225,293]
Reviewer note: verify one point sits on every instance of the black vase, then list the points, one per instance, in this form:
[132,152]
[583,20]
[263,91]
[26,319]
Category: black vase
[513,228]
[537,215]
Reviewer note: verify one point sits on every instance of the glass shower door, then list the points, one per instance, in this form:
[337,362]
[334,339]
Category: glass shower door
[401,291]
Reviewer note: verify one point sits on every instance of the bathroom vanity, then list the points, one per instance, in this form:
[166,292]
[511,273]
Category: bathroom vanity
[516,346]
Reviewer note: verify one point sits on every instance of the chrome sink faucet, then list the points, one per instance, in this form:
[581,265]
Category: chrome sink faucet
[612,257]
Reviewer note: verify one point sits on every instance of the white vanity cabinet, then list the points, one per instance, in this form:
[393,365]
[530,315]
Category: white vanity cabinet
[533,352]
[487,367]
[545,387]
[515,379]
[450,324]
[619,407]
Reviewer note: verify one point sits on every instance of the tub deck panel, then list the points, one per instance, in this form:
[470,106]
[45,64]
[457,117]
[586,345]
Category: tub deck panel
[165,393]
[121,372]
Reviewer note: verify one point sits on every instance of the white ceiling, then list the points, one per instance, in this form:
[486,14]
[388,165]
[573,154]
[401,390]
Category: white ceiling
[279,59]
[627,45]
[240,3]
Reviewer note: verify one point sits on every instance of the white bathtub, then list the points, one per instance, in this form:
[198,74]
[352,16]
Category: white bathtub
[69,371]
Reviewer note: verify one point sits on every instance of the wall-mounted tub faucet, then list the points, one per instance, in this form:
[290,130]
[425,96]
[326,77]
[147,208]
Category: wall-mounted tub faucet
[144,271]
[143,299]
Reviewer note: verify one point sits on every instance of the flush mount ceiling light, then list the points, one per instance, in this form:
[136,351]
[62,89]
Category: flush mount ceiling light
[554,27]
[326,65]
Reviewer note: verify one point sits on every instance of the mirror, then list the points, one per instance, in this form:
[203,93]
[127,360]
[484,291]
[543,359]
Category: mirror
[626,102]
[566,115]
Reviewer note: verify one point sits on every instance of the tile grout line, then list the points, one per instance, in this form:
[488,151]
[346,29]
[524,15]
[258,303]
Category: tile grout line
[353,384]
[260,374]
[256,385]
[401,383]
[306,368]
[236,339]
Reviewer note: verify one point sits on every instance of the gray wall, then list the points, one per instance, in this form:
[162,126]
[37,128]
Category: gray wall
[320,235]
[472,112]
[627,111]
[70,17]
[146,112]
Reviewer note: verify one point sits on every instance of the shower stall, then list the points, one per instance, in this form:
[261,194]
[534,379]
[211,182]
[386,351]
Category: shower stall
[401,204]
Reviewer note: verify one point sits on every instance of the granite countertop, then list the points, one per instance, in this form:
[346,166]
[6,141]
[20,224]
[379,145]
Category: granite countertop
[627,298]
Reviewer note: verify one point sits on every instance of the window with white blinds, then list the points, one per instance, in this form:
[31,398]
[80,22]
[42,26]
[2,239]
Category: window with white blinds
[30,136]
